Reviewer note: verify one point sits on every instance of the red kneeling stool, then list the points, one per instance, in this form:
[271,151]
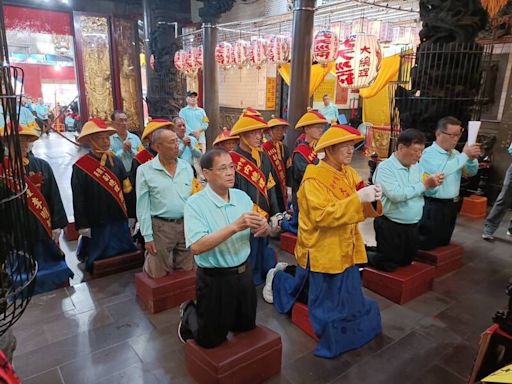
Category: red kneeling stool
[474,207]
[445,259]
[157,295]
[248,357]
[300,317]
[402,285]
[288,241]
[116,264]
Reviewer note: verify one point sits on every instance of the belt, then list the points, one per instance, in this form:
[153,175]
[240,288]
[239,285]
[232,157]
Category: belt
[177,221]
[434,199]
[224,271]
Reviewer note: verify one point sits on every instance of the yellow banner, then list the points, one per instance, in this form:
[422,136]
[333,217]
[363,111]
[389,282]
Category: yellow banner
[270,99]
[326,87]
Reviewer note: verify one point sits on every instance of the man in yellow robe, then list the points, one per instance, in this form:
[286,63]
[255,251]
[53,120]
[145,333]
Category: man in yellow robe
[332,201]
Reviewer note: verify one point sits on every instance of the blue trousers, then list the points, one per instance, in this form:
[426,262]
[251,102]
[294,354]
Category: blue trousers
[261,259]
[53,271]
[106,241]
[342,318]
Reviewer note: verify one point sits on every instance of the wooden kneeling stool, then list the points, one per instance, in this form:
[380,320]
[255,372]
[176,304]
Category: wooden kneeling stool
[157,295]
[288,241]
[474,207]
[300,317]
[116,264]
[445,259]
[402,285]
[248,357]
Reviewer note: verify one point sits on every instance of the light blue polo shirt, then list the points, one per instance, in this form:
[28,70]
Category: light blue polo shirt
[205,213]
[453,164]
[194,118]
[189,152]
[330,112]
[160,194]
[402,190]
[42,111]
[116,146]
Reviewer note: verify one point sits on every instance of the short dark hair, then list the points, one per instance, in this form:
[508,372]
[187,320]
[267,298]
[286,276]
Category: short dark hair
[443,123]
[409,137]
[209,157]
[115,113]
[326,95]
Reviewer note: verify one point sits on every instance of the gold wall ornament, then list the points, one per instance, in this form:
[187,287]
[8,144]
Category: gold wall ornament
[96,65]
[126,52]
[493,6]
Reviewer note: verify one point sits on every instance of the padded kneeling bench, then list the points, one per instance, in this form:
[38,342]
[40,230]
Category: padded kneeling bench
[288,241]
[300,317]
[402,285]
[445,259]
[248,357]
[474,207]
[116,264]
[70,232]
[157,295]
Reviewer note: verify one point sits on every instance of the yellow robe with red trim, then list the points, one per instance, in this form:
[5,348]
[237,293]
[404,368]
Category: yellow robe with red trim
[330,211]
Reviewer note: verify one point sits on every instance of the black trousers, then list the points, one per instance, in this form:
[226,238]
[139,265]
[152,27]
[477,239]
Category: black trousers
[226,301]
[437,223]
[397,244]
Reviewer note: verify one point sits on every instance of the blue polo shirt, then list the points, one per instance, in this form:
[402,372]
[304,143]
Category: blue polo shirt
[189,152]
[195,118]
[116,146]
[160,194]
[206,213]
[453,164]
[42,111]
[402,190]
[330,112]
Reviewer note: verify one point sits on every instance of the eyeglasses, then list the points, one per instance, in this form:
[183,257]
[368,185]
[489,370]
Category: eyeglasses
[224,169]
[453,134]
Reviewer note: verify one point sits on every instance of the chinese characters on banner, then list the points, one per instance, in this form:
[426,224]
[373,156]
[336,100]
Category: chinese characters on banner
[325,46]
[358,61]
[270,100]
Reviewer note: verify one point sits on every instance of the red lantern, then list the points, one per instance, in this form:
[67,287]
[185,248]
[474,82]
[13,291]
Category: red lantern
[179,60]
[257,52]
[198,56]
[241,53]
[325,46]
[224,54]
[358,61]
[190,66]
[279,49]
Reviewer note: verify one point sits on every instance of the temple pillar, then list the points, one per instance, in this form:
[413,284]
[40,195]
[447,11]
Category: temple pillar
[210,81]
[302,40]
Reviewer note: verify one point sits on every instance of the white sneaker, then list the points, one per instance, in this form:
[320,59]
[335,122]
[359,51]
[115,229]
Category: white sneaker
[487,237]
[281,266]
[268,296]
[509,233]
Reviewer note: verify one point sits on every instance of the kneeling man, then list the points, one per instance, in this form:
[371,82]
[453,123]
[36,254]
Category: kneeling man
[218,224]
[403,186]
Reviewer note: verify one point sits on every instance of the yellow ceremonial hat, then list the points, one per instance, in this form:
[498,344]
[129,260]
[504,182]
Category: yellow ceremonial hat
[251,112]
[311,117]
[24,130]
[31,133]
[337,134]
[225,135]
[94,125]
[276,121]
[155,124]
[248,123]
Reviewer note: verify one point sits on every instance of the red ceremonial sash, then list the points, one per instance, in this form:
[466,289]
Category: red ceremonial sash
[278,166]
[143,156]
[38,206]
[307,152]
[249,171]
[104,177]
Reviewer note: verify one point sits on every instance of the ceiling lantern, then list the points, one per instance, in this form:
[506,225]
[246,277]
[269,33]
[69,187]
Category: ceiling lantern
[224,54]
[325,47]
[257,52]
[279,49]
[358,61]
[198,56]
[179,60]
[190,66]
[241,53]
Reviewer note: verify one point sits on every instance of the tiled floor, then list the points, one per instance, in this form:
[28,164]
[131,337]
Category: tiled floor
[95,332]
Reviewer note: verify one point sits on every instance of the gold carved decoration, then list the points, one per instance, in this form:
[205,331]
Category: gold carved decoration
[96,66]
[127,54]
